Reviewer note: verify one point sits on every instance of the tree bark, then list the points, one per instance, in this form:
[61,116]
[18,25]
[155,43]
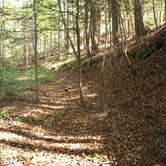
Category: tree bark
[35,50]
[94,25]
[78,52]
[165,11]
[82,102]
[154,13]
[86,29]
[115,21]
[138,17]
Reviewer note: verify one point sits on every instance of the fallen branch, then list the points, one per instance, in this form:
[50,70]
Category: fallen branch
[142,47]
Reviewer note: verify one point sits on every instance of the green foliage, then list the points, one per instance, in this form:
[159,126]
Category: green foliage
[45,75]
[14,84]
[10,86]
[89,155]
[17,119]
[3,113]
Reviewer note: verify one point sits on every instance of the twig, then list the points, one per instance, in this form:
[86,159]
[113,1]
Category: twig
[148,52]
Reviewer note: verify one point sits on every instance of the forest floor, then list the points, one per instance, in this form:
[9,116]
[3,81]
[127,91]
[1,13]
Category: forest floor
[124,122]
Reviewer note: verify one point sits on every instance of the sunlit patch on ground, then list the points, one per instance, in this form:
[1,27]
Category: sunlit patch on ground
[54,132]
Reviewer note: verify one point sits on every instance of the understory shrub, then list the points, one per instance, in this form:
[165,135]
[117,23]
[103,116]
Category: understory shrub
[10,85]
[14,83]
[45,75]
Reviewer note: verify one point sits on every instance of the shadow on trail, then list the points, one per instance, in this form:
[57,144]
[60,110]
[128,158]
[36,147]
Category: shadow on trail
[51,140]
[63,122]
[31,147]
[124,128]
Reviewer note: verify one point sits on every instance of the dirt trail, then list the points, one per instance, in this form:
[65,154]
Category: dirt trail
[55,132]
[123,124]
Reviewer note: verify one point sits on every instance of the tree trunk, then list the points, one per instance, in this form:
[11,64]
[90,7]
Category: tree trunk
[115,21]
[106,30]
[78,53]
[82,102]
[110,24]
[165,11]
[2,36]
[95,25]
[138,17]
[130,25]
[35,50]
[154,13]
[86,29]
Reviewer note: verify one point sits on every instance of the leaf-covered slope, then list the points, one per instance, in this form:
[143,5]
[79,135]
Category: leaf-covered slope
[137,107]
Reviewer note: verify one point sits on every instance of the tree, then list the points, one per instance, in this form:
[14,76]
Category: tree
[138,17]
[78,52]
[2,41]
[86,28]
[128,9]
[35,50]
[165,11]
[154,13]
[82,102]
[94,24]
[115,20]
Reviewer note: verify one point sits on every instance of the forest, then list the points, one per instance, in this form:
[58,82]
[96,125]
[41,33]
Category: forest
[82,82]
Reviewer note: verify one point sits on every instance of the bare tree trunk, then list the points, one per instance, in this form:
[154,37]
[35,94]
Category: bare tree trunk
[94,25]
[165,11]
[154,13]
[115,21]
[59,35]
[86,30]
[110,24]
[130,26]
[82,102]
[2,38]
[106,29]
[78,53]
[161,12]
[35,50]
[51,41]
[45,50]
[66,17]
[24,45]
[67,40]
[139,24]
[65,26]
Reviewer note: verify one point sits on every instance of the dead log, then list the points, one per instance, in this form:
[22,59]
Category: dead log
[146,45]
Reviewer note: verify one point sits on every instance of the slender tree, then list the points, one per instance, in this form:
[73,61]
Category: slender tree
[165,11]
[86,29]
[82,102]
[2,41]
[78,52]
[35,49]
[138,17]
[94,24]
[154,13]
[115,20]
